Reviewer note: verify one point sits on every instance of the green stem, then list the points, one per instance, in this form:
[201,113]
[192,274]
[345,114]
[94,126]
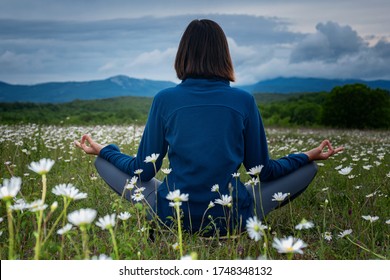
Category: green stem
[323,232]
[114,243]
[44,188]
[85,241]
[66,204]
[204,214]
[255,200]
[261,201]
[38,236]
[372,237]
[11,245]
[291,214]
[266,244]
[63,213]
[155,184]
[179,229]
[365,249]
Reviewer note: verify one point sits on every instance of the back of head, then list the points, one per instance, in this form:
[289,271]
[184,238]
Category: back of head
[204,52]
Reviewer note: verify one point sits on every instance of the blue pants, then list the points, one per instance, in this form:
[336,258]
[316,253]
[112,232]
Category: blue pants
[294,183]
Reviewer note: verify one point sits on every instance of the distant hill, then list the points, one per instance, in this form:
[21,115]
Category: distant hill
[299,85]
[59,92]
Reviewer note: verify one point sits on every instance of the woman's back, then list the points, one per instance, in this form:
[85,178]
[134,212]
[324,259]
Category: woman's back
[204,122]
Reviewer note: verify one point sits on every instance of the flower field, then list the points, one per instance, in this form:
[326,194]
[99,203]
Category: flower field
[54,205]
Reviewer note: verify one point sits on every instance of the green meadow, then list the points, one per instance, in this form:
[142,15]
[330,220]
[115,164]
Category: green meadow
[347,204]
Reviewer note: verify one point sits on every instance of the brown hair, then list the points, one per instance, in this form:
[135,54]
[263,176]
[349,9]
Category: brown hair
[204,52]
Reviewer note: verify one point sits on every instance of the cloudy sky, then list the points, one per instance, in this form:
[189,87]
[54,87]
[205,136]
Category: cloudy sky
[78,40]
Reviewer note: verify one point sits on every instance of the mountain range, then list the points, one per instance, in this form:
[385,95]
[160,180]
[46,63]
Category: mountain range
[58,92]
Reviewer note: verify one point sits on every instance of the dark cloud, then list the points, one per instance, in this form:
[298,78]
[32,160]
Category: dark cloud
[382,49]
[330,43]
[107,47]
[339,51]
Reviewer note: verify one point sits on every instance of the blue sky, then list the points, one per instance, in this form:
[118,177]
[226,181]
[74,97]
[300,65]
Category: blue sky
[75,40]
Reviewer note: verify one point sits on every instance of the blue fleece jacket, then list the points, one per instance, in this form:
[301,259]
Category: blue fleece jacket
[208,129]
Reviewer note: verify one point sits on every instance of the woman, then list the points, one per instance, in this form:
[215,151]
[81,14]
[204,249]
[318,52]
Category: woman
[208,130]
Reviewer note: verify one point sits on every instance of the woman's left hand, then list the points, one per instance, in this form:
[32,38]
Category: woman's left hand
[92,148]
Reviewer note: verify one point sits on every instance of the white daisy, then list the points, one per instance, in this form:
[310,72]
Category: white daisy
[42,167]
[175,246]
[370,218]
[304,224]
[166,171]
[20,205]
[225,200]
[138,171]
[345,170]
[190,257]
[176,196]
[137,196]
[370,194]
[289,245]
[152,158]
[252,182]
[236,175]
[10,188]
[129,186]
[338,167]
[124,216]
[367,167]
[82,217]
[68,191]
[37,205]
[255,228]
[388,222]
[254,171]
[279,196]
[211,205]
[344,233]
[106,222]
[215,188]
[139,190]
[133,180]
[101,257]
[327,236]
[65,229]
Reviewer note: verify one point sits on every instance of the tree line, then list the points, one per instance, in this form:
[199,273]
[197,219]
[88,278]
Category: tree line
[351,106]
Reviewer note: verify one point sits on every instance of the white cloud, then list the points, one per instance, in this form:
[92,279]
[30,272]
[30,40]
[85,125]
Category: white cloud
[156,64]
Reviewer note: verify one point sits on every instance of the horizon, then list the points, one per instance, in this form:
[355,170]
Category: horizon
[80,41]
[178,81]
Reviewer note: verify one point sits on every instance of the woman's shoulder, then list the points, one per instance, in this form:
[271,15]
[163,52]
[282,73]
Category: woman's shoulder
[166,93]
[243,95]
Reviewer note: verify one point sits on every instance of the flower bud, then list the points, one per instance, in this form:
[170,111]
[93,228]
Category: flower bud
[54,206]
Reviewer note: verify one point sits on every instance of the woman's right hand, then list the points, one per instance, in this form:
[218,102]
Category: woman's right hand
[92,148]
[318,153]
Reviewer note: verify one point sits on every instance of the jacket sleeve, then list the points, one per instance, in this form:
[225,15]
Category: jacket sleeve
[152,141]
[256,150]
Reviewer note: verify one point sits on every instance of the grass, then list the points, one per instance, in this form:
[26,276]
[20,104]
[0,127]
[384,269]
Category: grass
[333,202]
